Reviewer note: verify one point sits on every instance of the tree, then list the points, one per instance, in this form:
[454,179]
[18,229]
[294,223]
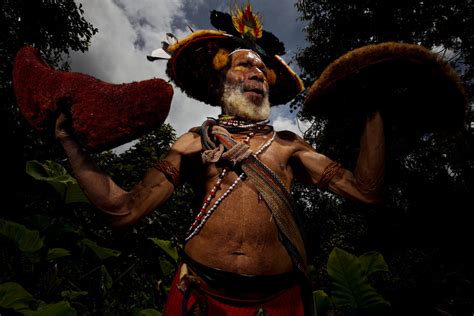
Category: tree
[55,28]
[58,254]
[70,256]
[423,227]
[335,27]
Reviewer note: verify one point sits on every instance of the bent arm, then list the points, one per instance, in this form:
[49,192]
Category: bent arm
[370,169]
[365,182]
[123,207]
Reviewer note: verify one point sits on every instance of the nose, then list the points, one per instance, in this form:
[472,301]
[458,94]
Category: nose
[256,74]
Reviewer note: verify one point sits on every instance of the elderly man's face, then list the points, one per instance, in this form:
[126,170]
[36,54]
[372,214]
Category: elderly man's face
[246,88]
[248,71]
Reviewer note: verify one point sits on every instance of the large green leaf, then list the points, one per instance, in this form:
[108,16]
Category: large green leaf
[322,303]
[58,177]
[56,253]
[350,287]
[167,246]
[106,279]
[166,267]
[346,274]
[27,240]
[101,252]
[14,296]
[72,295]
[372,262]
[50,225]
[149,312]
[74,194]
[56,309]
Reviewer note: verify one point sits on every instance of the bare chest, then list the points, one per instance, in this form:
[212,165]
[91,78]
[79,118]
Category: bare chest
[270,152]
[241,234]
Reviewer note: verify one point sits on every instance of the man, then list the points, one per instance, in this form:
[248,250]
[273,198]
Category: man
[243,253]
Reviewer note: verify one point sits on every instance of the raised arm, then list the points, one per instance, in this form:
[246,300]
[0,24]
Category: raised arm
[123,207]
[365,182]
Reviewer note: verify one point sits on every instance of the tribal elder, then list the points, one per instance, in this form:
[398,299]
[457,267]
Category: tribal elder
[243,252]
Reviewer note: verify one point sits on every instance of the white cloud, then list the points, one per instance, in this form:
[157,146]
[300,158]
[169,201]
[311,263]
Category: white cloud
[186,113]
[131,30]
[443,52]
[281,123]
[114,57]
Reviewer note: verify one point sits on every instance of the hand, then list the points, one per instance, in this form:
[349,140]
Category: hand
[63,127]
[375,117]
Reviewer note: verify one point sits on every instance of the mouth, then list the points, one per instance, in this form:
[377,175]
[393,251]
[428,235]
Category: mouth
[255,91]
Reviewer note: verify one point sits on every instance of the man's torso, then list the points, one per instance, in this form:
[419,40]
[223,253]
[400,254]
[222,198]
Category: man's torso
[241,236]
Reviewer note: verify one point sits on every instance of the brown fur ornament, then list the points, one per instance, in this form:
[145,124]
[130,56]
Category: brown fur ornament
[408,82]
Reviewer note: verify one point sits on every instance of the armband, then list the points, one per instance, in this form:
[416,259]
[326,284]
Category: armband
[328,174]
[170,172]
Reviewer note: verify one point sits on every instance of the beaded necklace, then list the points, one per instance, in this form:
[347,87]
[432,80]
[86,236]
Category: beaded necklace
[242,124]
[235,125]
[205,213]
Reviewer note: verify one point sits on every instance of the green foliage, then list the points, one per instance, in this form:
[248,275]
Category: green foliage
[14,296]
[56,253]
[57,176]
[167,246]
[149,312]
[423,225]
[322,303]
[106,279]
[33,23]
[349,274]
[78,262]
[27,240]
[71,295]
[101,252]
[335,27]
[83,262]
[60,309]
[169,264]
[350,287]
[371,262]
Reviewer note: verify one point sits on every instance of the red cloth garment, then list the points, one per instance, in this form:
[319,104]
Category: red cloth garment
[284,303]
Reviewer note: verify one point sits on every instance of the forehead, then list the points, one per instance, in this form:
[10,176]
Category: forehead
[248,56]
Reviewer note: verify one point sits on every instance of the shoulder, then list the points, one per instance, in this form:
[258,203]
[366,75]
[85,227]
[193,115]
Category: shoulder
[190,136]
[297,146]
[195,129]
[187,143]
[289,138]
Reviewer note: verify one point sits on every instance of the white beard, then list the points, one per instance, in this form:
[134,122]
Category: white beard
[234,102]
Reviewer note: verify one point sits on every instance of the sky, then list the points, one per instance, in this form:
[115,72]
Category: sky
[129,30]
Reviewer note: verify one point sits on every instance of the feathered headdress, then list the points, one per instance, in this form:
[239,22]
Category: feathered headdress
[246,22]
[246,25]
[195,61]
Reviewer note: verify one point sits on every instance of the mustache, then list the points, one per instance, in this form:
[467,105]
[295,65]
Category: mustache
[254,89]
[257,88]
